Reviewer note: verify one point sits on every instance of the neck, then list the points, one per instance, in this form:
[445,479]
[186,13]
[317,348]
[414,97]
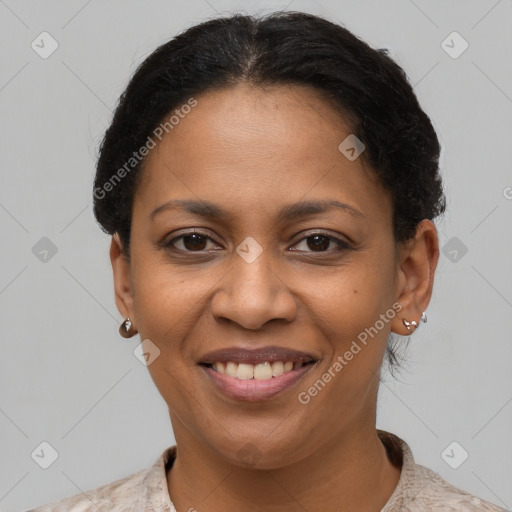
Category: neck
[350,472]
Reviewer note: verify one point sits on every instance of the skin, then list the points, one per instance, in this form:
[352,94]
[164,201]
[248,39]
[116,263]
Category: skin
[252,151]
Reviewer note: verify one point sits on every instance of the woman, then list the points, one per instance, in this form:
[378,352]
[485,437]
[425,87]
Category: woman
[270,185]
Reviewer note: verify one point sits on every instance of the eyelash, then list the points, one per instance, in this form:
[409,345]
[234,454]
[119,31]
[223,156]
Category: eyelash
[342,245]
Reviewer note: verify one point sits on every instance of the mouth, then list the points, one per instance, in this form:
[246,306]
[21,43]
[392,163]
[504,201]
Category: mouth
[256,374]
[261,371]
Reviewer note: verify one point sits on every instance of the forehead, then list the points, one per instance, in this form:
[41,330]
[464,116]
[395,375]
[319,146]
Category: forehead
[259,146]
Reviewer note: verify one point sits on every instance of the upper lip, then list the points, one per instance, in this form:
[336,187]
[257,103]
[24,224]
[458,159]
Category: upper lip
[256,355]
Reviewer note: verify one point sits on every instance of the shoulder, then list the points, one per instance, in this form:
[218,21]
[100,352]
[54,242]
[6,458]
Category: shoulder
[439,495]
[120,494]
[420,488]
[131,493]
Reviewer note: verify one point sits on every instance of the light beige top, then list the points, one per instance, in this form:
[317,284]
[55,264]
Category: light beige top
[418,489]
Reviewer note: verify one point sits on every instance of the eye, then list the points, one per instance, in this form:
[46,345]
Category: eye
[196,241]
[191,241]
[319,242]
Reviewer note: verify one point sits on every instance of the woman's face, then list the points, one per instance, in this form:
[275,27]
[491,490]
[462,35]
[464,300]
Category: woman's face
[266,287]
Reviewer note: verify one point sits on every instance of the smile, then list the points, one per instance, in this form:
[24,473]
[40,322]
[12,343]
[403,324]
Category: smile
[256,374]
[261,371]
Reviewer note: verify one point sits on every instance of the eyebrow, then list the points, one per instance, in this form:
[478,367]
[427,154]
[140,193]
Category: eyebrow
[289,212]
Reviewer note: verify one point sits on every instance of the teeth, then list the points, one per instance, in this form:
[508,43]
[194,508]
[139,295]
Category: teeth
[231,369]
[262,371]
[245,371]
[277,369]
[220,367]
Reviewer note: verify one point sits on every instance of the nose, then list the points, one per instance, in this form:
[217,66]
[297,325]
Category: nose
[252,294]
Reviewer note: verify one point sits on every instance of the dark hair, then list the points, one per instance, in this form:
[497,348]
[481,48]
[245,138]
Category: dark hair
[368,88]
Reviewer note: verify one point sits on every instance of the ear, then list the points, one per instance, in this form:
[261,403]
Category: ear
[122,279]
[417,262]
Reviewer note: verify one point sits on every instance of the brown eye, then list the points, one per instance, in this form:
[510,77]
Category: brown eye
[320,242]
[194,242]
[189,242]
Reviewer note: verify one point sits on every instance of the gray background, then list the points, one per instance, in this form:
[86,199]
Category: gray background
[67,378]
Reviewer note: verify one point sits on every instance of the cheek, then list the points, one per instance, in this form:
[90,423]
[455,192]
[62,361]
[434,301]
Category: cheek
[354,312]
[166,306]
[167,300]
[352,298]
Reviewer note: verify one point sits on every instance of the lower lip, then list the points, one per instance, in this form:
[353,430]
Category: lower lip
[255,389]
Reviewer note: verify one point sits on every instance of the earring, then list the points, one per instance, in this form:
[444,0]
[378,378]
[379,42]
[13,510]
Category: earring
[414,323]
[126,329]
[408,324]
